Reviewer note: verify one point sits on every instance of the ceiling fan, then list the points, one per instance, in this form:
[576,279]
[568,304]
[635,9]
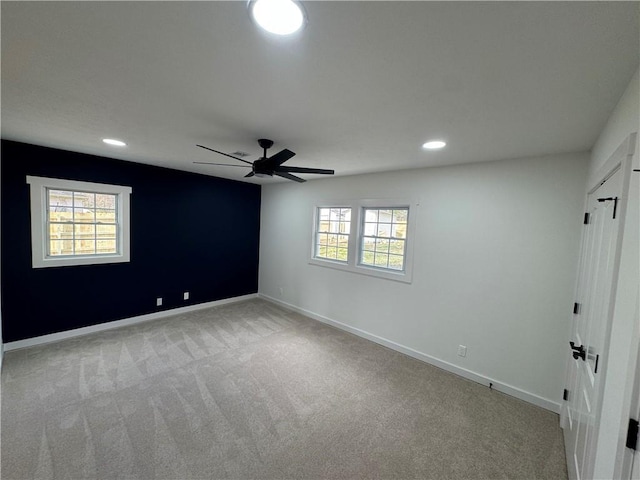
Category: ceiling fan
[269,166]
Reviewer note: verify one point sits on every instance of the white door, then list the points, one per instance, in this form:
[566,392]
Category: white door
[635,414]
[590,326]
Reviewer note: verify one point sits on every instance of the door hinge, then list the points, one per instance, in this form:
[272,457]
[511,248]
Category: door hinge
[632,434]
[586,218]
[615,204]
[565,395]
[576,308]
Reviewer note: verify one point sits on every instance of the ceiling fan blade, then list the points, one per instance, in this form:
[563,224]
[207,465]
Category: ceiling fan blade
[279,158]
[225,154]
[223,164]
[321,171]
[250,174]
[288,176]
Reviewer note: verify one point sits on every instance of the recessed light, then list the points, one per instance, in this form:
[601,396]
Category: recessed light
[280,17]
[434,145]
[114,142]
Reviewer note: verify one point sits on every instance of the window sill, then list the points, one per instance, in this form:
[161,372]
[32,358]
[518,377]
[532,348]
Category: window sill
[74,261]
[402,277]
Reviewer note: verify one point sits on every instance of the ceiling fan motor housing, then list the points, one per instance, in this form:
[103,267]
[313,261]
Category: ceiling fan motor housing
[261,168]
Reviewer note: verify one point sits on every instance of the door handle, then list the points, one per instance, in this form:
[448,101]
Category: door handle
[578,352]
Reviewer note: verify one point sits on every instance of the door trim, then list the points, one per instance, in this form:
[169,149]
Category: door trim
[621,159]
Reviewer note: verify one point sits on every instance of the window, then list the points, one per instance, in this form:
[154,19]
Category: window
[332,233]
[78,223]
[365,236]
[384,236]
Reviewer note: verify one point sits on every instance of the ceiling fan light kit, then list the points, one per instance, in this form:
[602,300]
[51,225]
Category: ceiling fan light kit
[269,166]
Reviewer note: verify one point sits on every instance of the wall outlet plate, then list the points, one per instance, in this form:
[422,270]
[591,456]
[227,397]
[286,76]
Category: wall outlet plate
[159,302]
[462,351]
[185,296]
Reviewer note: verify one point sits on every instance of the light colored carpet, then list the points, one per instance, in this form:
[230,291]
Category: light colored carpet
[249,390]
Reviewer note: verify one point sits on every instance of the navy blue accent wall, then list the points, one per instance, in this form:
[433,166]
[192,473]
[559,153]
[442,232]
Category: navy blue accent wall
[189,232]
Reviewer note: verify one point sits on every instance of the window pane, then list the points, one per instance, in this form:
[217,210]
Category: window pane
[399,231]
[369,243]
[83,215]
[107,201]
[381,260]
[367,258]
[60,231]
[396,262]
[343,241]
[83,199]
[106,230]
[321,245]
[60,214]
[396,246]
[105,216]
[85,231]
[331,252]
[384,229]
[370,215]
[323,239]
[60,198]
[345,227]
[85,247]
[385,216]
[382,245]
[370,229]
[343,254]
[107,246]
[334,215]
[60,247]
[346,214]
[400,216]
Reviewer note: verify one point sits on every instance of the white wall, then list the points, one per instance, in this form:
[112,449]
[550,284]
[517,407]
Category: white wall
[620,367]
[622,121]
[495,259]
[1,343]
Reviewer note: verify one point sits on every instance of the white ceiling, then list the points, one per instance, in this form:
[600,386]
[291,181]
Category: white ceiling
[360,90]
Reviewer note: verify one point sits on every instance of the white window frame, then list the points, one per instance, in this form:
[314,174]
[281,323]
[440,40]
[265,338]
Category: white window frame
[39,211]
[355,238]
[316,223]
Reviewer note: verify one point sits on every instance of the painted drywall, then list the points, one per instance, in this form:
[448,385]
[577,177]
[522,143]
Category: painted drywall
[620,368]
[1,342]
[189,232]
[495,258]
[623,120]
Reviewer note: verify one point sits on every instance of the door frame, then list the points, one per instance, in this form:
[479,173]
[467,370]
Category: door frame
[627,465]
[607,455]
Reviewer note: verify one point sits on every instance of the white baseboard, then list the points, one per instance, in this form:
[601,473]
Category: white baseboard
[77,332]
[463,372]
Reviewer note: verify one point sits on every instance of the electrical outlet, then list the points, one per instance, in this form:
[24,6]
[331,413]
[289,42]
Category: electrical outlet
[159,302]
[281,291]
[185,296]
[462,351]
